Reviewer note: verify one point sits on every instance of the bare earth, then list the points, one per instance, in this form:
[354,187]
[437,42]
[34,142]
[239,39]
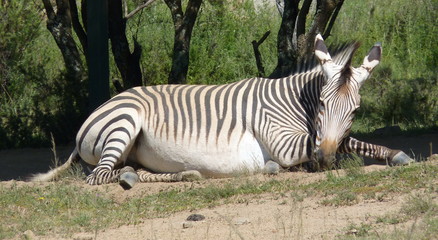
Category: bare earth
[266,216]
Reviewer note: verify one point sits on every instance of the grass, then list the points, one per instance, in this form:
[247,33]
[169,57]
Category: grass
[416,207]
[65,207]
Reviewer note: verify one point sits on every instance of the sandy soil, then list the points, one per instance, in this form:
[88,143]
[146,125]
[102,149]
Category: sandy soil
[267,216]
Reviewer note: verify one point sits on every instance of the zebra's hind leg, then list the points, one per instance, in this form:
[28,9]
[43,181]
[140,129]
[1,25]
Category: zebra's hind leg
[184,176]
[103,176]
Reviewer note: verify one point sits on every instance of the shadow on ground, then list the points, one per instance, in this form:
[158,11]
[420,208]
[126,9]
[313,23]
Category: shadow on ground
[20,163]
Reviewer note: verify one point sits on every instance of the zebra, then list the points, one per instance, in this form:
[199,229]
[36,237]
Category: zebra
[184,132]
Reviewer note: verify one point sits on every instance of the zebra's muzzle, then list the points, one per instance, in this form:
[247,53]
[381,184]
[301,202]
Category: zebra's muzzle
[325,154]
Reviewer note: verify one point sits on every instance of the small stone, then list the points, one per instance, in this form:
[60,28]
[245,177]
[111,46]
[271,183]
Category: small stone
[271,168]
[187,224]
[195,217]
[29,235]
[240,221]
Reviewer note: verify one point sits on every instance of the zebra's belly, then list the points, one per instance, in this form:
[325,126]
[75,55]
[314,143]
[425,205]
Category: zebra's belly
[211,159]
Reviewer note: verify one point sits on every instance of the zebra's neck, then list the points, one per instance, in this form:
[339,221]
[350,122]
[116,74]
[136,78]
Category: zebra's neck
[286,113]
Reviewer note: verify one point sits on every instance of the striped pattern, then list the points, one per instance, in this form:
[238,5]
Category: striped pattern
[278,112]
[365,149]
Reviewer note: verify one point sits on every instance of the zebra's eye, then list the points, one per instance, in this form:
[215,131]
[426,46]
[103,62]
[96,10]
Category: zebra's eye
[322,104]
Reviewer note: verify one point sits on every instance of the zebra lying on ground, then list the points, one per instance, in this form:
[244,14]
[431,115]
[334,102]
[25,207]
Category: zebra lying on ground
[176,132]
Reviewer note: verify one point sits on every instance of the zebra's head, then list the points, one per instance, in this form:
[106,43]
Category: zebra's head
[339,98]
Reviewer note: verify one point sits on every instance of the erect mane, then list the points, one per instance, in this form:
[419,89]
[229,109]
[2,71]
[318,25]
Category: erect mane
[347,71]
[341,54]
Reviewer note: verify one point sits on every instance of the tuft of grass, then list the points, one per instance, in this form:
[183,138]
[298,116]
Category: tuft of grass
[416,206]
[420,208]
[359,230]
[342,198]
[352,165]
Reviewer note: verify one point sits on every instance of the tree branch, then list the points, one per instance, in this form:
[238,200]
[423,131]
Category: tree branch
[63,8]
[287,54]
[333,19]
[77,27]
[301,19]
[255,46]
[139,8]
[280,6]
[175,11]
[127,63]
[183,25]
[49,9]
[324,10]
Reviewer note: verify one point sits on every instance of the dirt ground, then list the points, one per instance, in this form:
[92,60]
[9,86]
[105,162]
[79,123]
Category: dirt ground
[266,216]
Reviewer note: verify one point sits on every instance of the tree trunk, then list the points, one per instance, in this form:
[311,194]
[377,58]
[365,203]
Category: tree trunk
[294,42]
[59,25]
[183,24]
[128,63]
[287,53]
[77,27]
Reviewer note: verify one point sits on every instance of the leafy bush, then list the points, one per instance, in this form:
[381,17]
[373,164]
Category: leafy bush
[36,99]
[404,88]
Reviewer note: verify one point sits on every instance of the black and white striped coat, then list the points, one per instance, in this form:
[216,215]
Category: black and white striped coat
[221,130]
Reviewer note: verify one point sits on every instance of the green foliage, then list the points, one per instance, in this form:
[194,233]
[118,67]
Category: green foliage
[37,99]
[404,88]
[220,49]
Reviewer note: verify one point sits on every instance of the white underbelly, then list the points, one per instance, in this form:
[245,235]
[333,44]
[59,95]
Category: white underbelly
[210,159]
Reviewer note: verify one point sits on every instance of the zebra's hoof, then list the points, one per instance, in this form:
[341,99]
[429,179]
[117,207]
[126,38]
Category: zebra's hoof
[401,159]
[271,168]
[190,176]
[128,180]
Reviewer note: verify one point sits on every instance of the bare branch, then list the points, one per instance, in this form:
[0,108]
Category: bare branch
[125,8]
[280,6]
[183,24]
[49,9]
[333,19]
[301,19]
[139,8]
[324,10]
[255,45]
[80,32]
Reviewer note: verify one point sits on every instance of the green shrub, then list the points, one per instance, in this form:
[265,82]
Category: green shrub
[36,98]
[404,88]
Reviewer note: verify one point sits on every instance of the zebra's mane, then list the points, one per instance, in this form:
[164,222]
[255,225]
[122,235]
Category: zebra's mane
[341,54]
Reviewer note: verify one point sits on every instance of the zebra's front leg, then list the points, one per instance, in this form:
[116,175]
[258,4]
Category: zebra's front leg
[380,153]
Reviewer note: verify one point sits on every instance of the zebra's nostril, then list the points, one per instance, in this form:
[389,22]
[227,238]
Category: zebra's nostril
[324,160]
[319,156]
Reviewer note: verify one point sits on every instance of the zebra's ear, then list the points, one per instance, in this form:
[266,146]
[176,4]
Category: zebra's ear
[321,51]
[373,57]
